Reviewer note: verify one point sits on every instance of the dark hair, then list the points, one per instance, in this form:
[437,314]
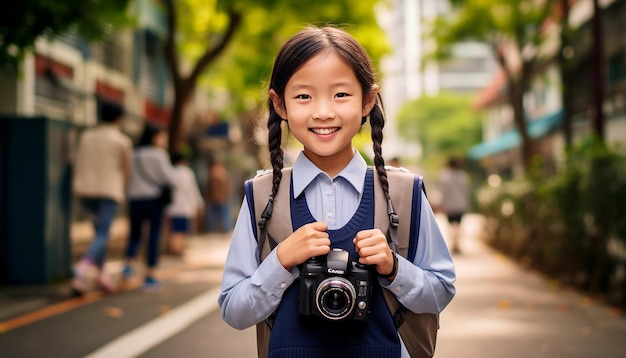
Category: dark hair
[296,52]
[454,163]
[150,130]
[109,111]
[177,157]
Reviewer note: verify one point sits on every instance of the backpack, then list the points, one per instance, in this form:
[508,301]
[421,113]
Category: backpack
[418,330]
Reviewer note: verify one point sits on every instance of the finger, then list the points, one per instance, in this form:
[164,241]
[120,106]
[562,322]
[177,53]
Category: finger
[364,234]
[323,241]
[319,226]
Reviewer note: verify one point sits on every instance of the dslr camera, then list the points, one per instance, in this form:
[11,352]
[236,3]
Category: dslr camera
[335,287]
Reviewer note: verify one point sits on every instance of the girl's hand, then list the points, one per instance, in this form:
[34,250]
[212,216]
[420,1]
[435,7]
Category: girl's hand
[308,241]
[372,247]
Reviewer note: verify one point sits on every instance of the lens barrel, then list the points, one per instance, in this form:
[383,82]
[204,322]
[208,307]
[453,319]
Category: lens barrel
[335,298]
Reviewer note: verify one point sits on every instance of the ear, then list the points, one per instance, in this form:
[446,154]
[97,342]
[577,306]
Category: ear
[279,104]
[370,100]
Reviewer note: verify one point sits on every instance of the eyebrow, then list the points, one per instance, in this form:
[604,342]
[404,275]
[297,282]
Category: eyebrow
[297,87]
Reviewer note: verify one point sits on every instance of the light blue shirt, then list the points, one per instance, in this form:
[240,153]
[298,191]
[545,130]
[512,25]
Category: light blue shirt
[252,291]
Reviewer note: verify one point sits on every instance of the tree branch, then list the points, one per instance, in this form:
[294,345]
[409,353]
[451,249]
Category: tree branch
[212,53]
[170,42]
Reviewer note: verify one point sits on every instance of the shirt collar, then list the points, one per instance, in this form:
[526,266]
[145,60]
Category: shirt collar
[304,173]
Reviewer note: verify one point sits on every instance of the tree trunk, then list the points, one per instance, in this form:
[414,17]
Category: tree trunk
[598,72]
[182,93]
[184,86]
[516,98]
[564,72]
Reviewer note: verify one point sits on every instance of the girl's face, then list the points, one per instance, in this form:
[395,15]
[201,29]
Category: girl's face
[323,105]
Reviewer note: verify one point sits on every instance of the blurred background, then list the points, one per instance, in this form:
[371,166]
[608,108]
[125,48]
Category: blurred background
[530,95]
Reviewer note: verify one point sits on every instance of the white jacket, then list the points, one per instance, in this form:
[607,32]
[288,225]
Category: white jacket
[186,198]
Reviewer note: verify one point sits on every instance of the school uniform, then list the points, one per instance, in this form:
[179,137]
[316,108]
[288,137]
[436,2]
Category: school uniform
[252,292]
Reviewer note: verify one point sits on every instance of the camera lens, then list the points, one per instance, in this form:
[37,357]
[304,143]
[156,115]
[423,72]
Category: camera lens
[335,301]
[335,298]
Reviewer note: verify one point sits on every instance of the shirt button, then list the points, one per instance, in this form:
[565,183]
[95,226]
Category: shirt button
[398,288]
[330,214]
[282,285]
[329,192]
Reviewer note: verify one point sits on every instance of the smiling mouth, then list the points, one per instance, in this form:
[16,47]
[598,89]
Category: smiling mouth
[324,131]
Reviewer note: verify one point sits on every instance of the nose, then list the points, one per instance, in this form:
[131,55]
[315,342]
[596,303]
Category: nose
[323,111]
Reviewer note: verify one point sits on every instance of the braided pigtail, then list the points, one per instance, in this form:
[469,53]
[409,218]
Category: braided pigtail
[377,121]
[276,151]
[276,156]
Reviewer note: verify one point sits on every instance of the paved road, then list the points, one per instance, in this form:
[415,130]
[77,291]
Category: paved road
[500,311]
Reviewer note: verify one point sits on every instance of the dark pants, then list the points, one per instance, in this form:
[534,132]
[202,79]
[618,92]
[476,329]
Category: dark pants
[140,211]
[455,217]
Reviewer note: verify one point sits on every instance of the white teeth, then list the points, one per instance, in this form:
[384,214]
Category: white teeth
[324,130]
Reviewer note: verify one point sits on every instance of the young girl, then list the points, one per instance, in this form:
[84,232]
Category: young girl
[187,204]
[323,87]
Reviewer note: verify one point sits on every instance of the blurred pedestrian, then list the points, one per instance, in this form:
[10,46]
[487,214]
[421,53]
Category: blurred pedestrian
[101,173]
[395,162]
[152,171]
[454,202]
[218,217]
[187,204]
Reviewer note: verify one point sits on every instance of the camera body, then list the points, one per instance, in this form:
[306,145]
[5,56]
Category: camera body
[335,287]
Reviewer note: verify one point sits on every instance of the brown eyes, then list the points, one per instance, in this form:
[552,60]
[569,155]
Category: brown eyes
[338,95]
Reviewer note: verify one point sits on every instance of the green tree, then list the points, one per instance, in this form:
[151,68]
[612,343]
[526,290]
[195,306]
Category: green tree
[27,20]
[229,45]
[515,31]
[445,125]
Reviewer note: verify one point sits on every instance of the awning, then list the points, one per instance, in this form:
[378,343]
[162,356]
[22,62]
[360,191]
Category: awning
[537,128]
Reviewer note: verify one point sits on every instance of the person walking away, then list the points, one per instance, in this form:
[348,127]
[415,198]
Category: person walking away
[218,198]
[152,170]
[323,86]
[101,173]
[454,191]
[187,204]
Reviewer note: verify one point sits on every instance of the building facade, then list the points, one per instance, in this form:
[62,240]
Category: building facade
[555,92]
[62,78]
[406,75]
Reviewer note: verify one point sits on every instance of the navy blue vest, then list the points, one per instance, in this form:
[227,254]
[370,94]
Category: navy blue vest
[294,335]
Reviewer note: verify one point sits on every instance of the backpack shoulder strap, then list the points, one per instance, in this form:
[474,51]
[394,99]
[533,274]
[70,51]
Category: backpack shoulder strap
[418,331]
[257,194]
[407,207]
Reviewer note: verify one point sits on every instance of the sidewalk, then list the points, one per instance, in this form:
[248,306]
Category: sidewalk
[207,250]
[503,310]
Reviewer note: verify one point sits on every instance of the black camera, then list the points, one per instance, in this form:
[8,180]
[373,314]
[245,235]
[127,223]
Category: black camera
[335,287]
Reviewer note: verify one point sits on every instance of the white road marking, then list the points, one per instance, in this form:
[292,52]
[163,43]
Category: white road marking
[156,331]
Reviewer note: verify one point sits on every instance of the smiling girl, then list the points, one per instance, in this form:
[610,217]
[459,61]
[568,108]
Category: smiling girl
[323,86]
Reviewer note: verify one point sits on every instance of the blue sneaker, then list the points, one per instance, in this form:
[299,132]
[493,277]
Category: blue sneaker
[151,284]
